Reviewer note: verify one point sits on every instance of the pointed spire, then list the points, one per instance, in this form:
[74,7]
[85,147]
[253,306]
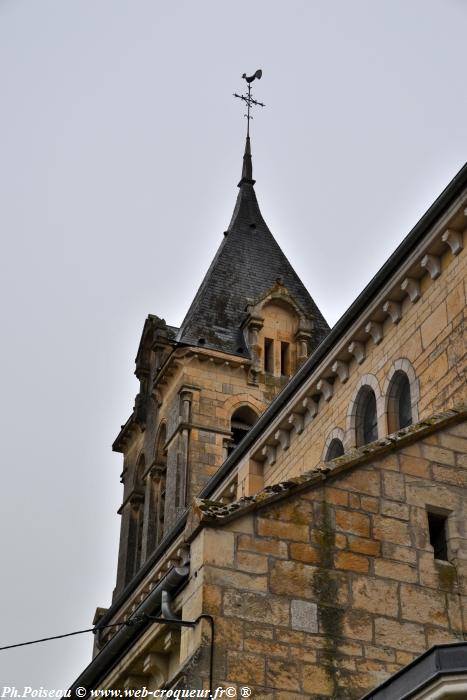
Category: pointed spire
[247,170]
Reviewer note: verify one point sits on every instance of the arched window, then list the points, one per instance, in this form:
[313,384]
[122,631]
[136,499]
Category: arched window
[366,424]
[399,402]
[159,480]
[241,423]
[335,449]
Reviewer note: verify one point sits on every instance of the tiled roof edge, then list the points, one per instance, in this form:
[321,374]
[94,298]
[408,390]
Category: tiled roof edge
[208,512]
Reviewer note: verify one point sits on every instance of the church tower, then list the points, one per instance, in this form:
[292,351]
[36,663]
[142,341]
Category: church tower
[250,327]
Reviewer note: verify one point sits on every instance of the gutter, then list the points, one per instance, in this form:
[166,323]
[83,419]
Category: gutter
[145,569]
[449,194]
[113,651]
[439,661]
[453,190]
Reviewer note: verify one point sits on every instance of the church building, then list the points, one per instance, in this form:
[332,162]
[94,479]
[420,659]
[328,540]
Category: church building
[293,518]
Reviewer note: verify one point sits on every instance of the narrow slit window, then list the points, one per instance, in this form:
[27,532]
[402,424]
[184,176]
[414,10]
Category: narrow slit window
[285,359]
[269,355]
[437,529]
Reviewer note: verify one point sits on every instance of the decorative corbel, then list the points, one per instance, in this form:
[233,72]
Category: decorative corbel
[269,454]
[310,406]
[454,240]
[157,664]
[393,309]
[325,388]
[296,421]
[342,370]
[357,349]
[375,330]
[411,287]
[283,437]
[432,264]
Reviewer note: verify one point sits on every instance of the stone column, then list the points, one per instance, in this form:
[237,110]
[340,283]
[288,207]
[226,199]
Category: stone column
[186,398]
[253,328]
[131,513]
[302,338]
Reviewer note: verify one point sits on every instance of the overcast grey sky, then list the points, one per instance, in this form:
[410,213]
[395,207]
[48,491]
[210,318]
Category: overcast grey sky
[120,151]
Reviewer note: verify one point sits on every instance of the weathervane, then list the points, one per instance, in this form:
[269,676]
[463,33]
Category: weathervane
[248,99]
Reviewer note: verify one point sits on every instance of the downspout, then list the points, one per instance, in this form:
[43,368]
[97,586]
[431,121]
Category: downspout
[111,653]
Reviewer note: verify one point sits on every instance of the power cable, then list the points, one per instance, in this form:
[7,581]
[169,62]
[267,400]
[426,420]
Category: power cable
[70,634]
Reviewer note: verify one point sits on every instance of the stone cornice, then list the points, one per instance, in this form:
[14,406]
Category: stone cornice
[205,512]
[364,318]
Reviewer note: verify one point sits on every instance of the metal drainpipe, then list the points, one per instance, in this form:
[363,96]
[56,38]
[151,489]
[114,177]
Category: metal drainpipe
[113,650]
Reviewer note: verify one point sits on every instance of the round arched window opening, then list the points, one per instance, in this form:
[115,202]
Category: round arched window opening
[335,449]
[399,402]
[243,419]
[366,418]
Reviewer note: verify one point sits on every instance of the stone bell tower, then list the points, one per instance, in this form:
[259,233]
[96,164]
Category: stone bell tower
[249,328]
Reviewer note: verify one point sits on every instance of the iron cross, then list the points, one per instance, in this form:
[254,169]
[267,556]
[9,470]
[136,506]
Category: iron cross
[248,99]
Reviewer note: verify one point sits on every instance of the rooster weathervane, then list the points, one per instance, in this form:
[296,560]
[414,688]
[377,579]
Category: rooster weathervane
[248,99]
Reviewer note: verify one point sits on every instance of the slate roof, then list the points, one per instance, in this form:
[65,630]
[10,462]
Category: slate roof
[247,264]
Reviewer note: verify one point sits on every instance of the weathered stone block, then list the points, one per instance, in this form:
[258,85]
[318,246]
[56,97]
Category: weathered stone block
[364,546]
[434,324]
[263,546]
[317,680]
[292,578]
[422,605]
[351,562]
[375,596]
[304,552]
[395,510]
[228,578]
[283,674]
[415,466]
[393,486]
[395,570]
[266,647]
[282,530]
[355,523]
[450,475]
[331,587]
[304,616]
[442,455]
[253,563]
[391,530]
[358,625]
[370,504]
[245,668]
[362,481]
[256,608]
[394,551]
[399,635]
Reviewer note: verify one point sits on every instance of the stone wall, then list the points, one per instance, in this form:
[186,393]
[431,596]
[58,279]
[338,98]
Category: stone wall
[427,342]
[326,592]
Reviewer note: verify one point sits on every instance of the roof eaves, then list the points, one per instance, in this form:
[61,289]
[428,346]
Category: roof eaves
[210,512]
[413,238]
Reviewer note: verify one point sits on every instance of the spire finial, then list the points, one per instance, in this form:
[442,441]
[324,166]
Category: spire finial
[247,170]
